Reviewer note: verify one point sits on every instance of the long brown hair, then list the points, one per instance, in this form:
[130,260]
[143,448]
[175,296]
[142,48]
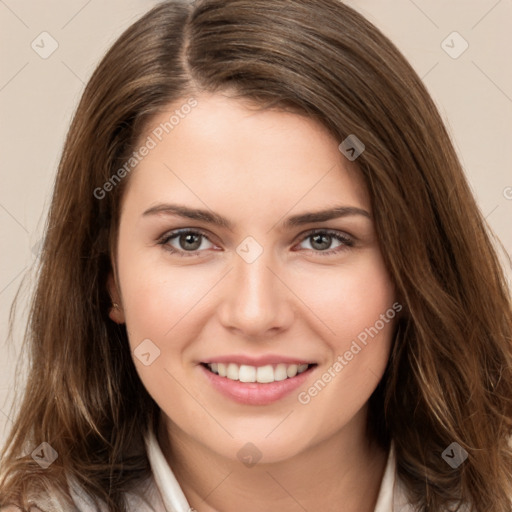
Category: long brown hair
[449,375]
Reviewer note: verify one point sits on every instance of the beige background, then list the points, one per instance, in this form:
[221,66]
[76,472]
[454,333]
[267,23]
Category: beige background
[38,97]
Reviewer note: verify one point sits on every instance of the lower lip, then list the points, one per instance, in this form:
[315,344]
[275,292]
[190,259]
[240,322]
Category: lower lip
[255,393]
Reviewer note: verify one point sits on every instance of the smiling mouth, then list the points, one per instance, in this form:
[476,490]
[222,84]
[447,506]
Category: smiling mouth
[261,374]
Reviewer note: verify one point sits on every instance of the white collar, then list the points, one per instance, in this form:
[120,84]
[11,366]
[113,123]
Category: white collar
[170,496]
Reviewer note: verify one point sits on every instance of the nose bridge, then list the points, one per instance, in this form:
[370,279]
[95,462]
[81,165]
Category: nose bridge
[255,300]
[254,280]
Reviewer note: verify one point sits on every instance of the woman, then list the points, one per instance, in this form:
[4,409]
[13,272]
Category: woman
[337,337]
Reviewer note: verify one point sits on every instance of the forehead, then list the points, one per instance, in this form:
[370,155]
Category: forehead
[224,152]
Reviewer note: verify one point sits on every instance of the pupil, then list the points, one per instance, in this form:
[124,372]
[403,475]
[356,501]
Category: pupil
[326,244]
[188,238]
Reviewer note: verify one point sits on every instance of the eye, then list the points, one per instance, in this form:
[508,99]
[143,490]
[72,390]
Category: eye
[189,242]
[322,239]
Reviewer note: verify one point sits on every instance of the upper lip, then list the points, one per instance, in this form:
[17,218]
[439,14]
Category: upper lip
[257,361]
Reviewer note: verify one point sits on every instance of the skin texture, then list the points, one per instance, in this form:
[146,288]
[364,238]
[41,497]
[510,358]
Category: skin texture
[255,168]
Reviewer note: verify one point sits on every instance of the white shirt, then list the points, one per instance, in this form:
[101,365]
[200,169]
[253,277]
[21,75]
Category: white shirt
[166,495]
[162,493]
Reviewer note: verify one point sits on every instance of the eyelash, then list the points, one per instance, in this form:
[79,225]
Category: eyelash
[346,241]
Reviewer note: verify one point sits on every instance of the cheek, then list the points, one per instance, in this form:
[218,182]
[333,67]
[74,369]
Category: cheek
[159,306]
[350,297]
[358,305]
[156,297]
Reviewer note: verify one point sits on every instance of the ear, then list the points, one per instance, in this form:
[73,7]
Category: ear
[116,312]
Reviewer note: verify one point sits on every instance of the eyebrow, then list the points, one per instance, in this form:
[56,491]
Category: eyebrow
[218,220]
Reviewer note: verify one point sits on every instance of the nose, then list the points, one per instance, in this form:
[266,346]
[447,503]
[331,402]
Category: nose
[256,303]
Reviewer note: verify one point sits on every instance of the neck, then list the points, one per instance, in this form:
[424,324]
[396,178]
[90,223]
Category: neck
[342,473]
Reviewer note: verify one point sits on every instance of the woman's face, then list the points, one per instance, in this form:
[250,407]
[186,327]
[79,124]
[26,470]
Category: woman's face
[247,287]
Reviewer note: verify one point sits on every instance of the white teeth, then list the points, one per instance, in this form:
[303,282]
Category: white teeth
[221,369]
[280,372]
[247,373]
[263,374]
[291,371]
[233,371]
